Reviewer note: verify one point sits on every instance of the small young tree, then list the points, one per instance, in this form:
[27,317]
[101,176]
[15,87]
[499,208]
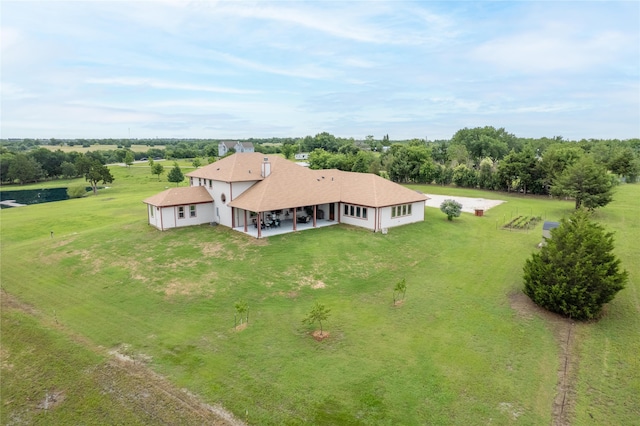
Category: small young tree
[196,162]
[400,288]
[157,169]
[576,272]
[175,174]
[451,208]
[318,314]
[129,158]
[242,308]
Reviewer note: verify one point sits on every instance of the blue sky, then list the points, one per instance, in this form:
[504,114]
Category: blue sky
[107,69]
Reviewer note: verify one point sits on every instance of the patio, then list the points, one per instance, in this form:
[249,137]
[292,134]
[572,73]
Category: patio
[286,226]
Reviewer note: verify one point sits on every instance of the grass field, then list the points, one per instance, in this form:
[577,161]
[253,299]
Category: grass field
[455,352]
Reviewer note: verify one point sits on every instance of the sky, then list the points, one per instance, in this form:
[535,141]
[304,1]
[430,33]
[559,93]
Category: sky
[239,69]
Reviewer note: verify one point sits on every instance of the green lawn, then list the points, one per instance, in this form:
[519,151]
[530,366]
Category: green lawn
[454,352]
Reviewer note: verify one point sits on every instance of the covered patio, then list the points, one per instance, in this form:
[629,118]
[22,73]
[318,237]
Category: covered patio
[286,227]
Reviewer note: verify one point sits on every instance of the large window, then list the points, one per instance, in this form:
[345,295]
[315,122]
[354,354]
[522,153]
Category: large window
[181,212]
[192,211]
[355,211]
[151,209]
[402,210]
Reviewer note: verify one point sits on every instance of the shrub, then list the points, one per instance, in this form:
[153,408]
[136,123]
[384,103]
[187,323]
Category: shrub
[76,191]
[451,208]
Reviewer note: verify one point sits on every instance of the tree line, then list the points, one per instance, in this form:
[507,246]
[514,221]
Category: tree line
[482,157]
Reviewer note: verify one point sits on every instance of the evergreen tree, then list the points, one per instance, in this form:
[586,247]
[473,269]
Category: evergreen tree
[175,174]
[586,182]
[576,272]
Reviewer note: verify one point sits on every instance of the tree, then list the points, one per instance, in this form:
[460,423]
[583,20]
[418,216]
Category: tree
[576,272]
[464,176]
[318,314]
[96,173]
[451,208]
[242,307]
[196,162]
[128,158]
[157,169]
[24,169]
[400,288]
[68,169]
[175,174]
[586,182]
[288,150]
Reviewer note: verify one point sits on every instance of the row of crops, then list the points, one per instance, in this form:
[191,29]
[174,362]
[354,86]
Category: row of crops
[522,222]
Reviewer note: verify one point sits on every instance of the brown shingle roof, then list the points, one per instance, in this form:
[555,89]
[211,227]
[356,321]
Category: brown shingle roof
[240,167]
[180,197]
[290,185]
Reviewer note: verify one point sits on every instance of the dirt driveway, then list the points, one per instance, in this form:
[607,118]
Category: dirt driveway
[468,204]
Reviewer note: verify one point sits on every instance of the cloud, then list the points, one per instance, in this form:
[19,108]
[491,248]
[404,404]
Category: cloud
[551,49]
[166,85]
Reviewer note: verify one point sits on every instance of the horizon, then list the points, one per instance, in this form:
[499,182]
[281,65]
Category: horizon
[229,70]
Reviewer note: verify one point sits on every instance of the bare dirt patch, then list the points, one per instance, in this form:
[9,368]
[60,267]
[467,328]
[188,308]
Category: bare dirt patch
[320,336]
[240,327]
[51,400]
[562,328]
[398,303]
[311,282]
[187,288]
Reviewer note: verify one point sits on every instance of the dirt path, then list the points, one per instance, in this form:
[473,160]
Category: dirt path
[564,401]
[136,386]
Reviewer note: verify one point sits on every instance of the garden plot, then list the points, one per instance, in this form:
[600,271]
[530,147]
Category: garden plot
[469,205]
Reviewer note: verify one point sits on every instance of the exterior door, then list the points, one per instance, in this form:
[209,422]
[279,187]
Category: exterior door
[332,213]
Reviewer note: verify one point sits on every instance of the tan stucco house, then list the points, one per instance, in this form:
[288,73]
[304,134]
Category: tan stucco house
[263,195]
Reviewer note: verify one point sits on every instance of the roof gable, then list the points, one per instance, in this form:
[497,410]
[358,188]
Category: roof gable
[240,167]
[180,197]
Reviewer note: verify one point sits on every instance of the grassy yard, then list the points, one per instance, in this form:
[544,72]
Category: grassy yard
[454,352]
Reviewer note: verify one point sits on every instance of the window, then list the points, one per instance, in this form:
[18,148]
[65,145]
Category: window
[210,183]
[355,211]
[190,181]
[151,210]
[181,212]
[403,210]
[199,182]
[192,211]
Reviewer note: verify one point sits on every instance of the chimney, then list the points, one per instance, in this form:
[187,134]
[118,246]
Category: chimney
[266,168]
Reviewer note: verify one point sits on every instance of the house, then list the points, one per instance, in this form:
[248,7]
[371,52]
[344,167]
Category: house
[225,146]
[266,195]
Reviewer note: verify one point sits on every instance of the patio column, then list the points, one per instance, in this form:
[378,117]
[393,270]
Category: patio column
[295,219]
[245,221]
[315,207]
[259,224]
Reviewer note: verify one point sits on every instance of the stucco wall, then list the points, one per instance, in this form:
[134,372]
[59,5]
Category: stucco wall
[169,219]
[417,215]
